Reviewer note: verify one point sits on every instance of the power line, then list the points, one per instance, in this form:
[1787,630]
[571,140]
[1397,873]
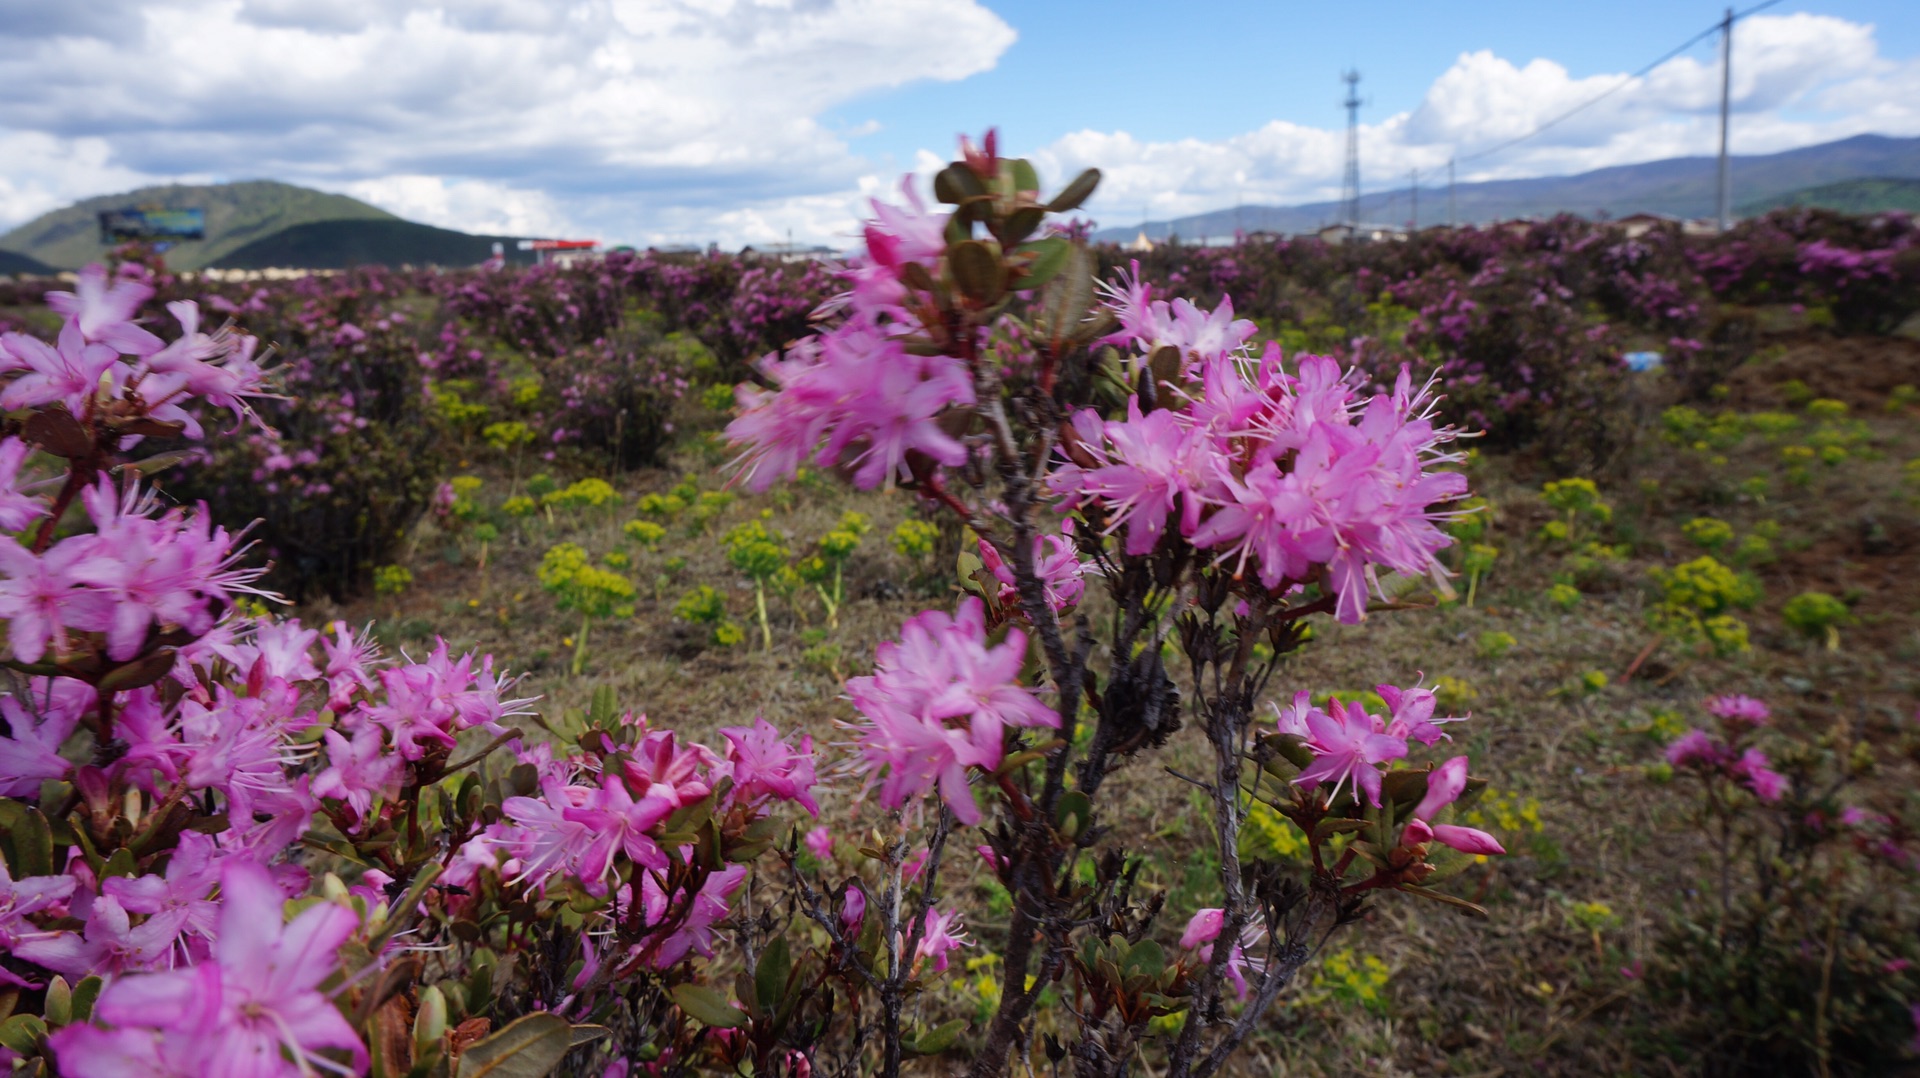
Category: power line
[1622,84]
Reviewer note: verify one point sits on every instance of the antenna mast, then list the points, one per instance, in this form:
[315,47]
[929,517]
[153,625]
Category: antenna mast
[1350,186]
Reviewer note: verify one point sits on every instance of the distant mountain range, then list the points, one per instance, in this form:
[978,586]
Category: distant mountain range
[1876,195]
[1680,186]
[237,214]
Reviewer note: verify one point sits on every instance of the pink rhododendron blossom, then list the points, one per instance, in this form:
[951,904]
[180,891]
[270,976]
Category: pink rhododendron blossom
[104,313]
[695,934]
[1055,562]
[358,769]
[942,934]
[1754,770]
[1201,935]
[853,907]
[819,843]
[937,674]
[765,765]
[17,510]
[255,1009]
[1349,745]
[1739,711]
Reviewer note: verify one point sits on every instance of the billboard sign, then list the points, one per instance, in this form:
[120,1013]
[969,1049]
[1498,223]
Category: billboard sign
[119,226]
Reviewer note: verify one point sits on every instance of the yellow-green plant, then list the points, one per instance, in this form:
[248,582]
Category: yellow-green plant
[590,493]
[1476,563]
[584,588]
[1578,500]
[705,606]
[1494,643]
[1564,595]
[1697,598]
[519,506]
[391,581]
[825,570]
[1708,533]
[756,552]
[915,539]
[1817,614]
[662,505]
[644,532]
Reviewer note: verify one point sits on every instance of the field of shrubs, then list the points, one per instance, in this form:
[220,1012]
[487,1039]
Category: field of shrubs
[1681,607]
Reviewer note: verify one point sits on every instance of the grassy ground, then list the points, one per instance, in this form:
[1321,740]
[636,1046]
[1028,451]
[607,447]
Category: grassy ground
[1599,849]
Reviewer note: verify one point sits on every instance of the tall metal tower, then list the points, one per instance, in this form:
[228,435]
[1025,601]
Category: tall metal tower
[1350,186]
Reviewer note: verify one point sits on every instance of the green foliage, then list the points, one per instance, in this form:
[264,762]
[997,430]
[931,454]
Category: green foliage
[662,505]
[1696,600]
[1578,498]
[718,398]
[1563,595]
[754,551]
[519,506]
[541,484]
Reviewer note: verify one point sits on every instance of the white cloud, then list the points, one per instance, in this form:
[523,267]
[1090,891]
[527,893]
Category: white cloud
[629,113]
[654,121]
[1797,80]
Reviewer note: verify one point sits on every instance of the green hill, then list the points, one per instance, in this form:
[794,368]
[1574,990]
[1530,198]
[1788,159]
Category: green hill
[392,242]
[237,214]
[1876,195]
[11,263]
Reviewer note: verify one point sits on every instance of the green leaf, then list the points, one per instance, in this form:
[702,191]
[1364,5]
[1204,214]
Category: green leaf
[1022,223]
[1444,899]
[30,837]
[1075,813]
[59,1002]
[1146,957]
[121,864]
[22,1033]
[956,183]
[528,1047]
[940,1038]
[708,1006]
[84,995]
[976,271]
[1049,258]
[1024,177]
[1339,826]
[1071,196]
[770,977]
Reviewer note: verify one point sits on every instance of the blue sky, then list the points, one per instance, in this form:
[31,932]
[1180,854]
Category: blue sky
[744,121]
[1210,69]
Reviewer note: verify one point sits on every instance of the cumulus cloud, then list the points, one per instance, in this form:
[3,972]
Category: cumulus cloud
[1798,79]
[620,115]
[656,121]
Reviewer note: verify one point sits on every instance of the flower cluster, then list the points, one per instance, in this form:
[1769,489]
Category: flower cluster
[939,703]
[1726,755]
[1296,478]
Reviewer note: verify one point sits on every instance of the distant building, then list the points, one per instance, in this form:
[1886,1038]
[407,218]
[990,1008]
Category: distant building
[563,253]
[792,252]
[1361,233]
[1141,244]
[1636,225]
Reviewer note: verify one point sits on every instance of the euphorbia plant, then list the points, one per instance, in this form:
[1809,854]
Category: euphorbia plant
[1231,497]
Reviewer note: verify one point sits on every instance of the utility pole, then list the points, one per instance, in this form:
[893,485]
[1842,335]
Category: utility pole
[1452,221]
[1416,201]
[1726,95]
[1350,185]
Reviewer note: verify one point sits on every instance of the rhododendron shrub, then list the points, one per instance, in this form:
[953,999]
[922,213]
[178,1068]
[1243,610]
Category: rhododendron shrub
[1225,498]
[1801,926]
[232,844]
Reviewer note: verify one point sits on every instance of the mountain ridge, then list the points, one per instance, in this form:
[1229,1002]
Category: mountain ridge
[237,214]
[1677,186]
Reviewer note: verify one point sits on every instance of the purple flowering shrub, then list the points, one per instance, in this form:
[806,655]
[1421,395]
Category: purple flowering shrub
[1802,927]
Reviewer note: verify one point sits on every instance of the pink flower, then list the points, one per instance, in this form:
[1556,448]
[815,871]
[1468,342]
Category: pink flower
[42,718]
[358,770]
[819,842]
[764,765]
[1444,786]
[941,671]
[1467,840]
[1203,931]
[1055,562]
[853,907]
[235,1015]
[69,372]
[17,510]
[695,933]
[1349,744]
[942,934]
[1695,748]
[1739,712]
[105,313]
[1753,769]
